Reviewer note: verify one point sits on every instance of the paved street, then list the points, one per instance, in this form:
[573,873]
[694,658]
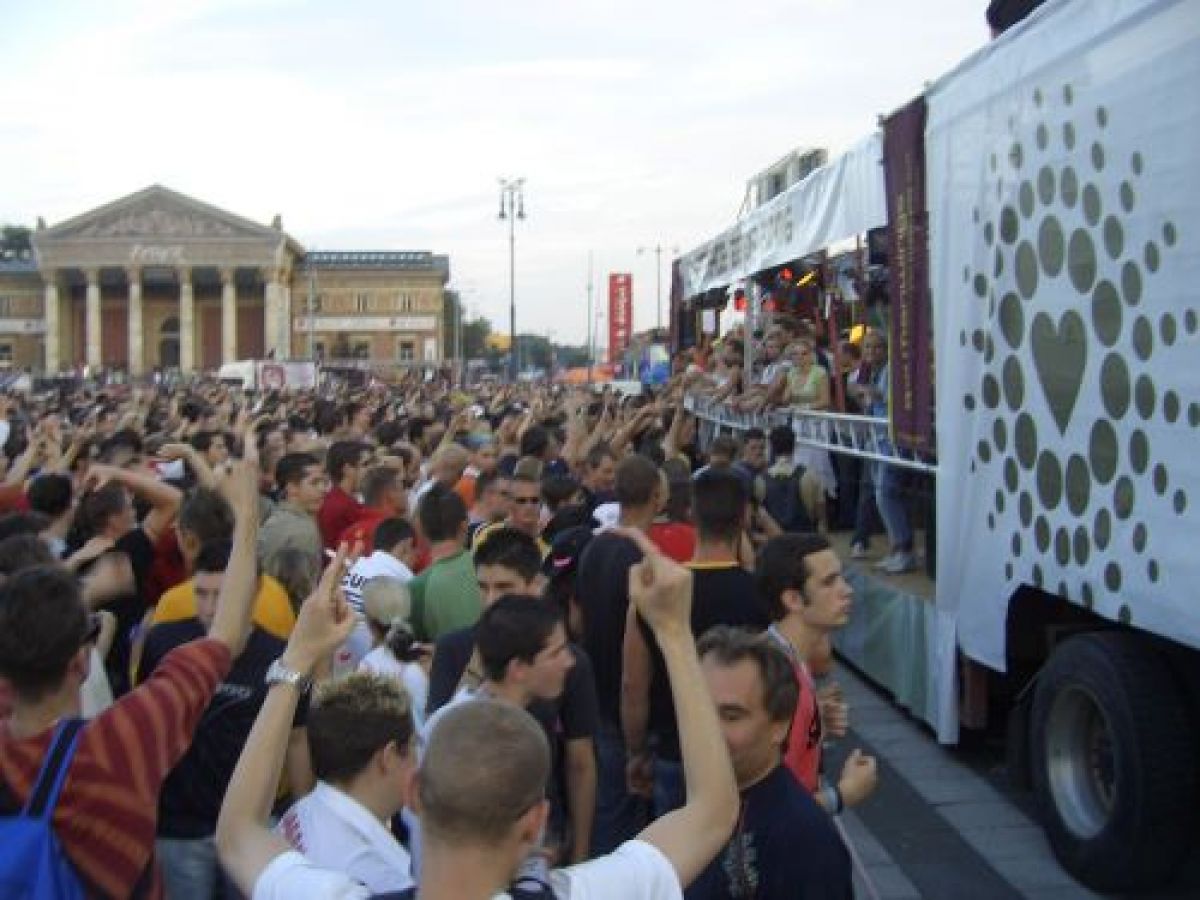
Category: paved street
[937,828]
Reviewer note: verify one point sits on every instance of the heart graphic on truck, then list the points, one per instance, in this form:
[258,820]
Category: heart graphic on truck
[1065,282]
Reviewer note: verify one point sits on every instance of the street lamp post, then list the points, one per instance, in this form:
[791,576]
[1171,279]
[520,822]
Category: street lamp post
[658,251]
[512,207]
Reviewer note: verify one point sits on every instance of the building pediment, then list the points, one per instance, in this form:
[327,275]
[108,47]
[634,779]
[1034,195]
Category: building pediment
[154,214]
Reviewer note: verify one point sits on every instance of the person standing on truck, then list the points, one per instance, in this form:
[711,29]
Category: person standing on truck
[887,477]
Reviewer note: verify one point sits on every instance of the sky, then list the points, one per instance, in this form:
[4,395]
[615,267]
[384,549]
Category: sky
[386,125]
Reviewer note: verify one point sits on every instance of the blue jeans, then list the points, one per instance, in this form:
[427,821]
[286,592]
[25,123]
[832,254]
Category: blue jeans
[189,867]
[619,815]
[892,509]
[866,522]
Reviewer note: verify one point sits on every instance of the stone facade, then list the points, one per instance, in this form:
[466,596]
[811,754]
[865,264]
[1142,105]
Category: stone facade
[158,280]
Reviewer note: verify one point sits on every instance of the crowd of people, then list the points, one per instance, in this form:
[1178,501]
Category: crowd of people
[415,641]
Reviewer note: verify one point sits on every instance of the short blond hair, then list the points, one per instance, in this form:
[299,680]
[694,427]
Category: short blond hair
[486,764]
[386,600]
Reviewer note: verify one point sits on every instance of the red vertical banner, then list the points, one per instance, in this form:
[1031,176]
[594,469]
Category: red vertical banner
[910,362]
[620,315]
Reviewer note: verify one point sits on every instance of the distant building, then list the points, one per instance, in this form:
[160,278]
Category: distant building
[160,280]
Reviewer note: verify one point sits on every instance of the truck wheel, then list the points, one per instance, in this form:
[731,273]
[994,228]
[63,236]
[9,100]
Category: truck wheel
[1114,762]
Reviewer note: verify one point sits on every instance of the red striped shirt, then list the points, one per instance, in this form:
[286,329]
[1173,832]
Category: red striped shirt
[108,811]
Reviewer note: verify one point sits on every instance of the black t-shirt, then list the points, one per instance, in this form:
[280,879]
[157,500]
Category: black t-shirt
[128,608]
[571,716]
[724,595]
[784,848]
[602,584]
[191,796]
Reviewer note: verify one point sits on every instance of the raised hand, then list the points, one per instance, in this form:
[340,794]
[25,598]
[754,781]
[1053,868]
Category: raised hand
[325,619]
[858,779]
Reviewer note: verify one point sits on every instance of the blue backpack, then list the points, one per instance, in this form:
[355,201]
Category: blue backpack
[33,865]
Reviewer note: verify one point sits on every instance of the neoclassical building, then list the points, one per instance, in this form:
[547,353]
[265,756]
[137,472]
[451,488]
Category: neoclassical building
[160,280]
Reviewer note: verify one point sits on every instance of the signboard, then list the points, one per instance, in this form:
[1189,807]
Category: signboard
[620,315]
[910,367]
[366,323]
[835,202]
[22,326]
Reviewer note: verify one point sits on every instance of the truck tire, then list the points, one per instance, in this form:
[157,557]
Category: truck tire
[1114,762]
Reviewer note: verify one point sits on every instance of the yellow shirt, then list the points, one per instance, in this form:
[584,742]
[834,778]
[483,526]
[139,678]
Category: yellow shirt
[273,611]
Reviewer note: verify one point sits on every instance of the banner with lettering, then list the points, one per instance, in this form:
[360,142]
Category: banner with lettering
[911,337]
[1065,259]
[835,202]
[620,315]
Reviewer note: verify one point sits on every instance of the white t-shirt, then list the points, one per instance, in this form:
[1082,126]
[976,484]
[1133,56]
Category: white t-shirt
[634,871]
[410,675]
[378,564]
[334,830]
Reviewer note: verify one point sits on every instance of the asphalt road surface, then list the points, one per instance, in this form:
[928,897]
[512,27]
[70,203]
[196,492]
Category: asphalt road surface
[944,823]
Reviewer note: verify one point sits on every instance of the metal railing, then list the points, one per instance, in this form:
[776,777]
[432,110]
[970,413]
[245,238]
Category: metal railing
[863,436]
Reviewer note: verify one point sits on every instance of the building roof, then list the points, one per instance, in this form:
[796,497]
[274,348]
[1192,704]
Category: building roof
[410,260]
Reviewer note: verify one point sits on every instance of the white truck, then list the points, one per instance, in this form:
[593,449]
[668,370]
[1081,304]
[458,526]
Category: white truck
[1061,167]
[269,374]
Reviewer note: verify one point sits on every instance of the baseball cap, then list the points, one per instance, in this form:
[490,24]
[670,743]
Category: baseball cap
[566,550]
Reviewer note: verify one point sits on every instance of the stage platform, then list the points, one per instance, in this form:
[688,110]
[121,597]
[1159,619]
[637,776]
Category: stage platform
[898,639]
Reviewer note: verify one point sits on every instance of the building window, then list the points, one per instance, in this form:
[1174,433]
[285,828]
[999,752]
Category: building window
[319,350]
[6,355]
[406,351]
[362,350]
[362,302]
[406,303]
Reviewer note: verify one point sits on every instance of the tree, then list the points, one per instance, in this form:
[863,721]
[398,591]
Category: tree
[16,242]
[474,338]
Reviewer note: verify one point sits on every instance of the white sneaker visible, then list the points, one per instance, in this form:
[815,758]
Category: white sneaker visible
[886,561]
[900,563]
[858,551]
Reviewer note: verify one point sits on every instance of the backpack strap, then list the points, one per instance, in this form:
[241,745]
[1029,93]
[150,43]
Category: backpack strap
[44,796]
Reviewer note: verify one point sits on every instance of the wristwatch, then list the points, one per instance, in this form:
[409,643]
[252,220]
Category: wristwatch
[278,673]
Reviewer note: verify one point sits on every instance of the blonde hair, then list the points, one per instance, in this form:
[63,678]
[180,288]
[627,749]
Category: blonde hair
[386,601]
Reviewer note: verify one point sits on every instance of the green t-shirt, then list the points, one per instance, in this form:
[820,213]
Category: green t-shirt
[445,597]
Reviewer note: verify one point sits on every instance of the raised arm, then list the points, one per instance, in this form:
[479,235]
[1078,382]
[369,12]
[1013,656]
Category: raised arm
[245,843]
[193,459]
[231,624]
[164,499]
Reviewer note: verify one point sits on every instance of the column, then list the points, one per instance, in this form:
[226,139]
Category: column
[134,323]
[92,319]
[271,312]
[187,322]
[228,316]
[50,312]
[284,317]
